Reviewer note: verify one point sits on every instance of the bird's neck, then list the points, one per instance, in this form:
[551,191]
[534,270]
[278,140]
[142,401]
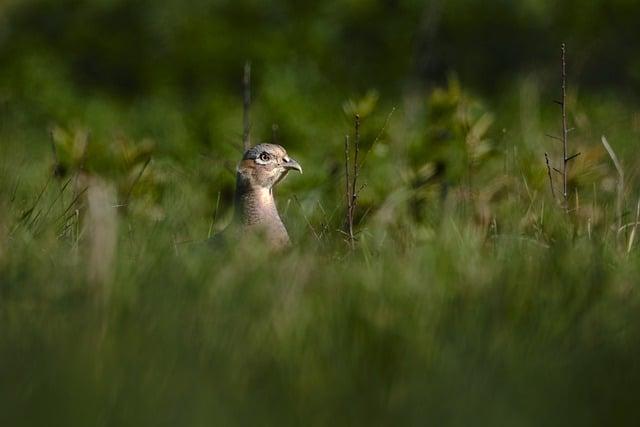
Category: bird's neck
[255,205]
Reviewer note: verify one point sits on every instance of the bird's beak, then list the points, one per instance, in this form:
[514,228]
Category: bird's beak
[292,165]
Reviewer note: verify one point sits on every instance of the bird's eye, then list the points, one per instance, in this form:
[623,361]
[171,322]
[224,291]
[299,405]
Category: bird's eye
[265,157]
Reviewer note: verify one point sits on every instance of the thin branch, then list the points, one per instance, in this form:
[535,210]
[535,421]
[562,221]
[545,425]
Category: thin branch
[356,166]
[246,106]
[572,157]
[565,132]
[351,181]
[346,176]
[553,191]
[354,177]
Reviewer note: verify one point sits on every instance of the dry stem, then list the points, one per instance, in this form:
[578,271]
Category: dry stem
[566,158]
[553,191]
[565,133]
[246,106]
[351,179]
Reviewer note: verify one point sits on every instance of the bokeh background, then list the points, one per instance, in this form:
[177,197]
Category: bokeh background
[471,297]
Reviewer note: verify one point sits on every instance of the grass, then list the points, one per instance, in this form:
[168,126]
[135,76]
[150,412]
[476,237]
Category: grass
[470,297]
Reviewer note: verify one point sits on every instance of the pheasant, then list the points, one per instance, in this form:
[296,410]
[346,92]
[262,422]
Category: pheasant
[262,167]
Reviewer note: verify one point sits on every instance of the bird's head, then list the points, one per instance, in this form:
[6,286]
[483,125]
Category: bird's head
[264,165]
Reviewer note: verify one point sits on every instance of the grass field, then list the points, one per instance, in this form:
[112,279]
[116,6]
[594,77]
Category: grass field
[471,297]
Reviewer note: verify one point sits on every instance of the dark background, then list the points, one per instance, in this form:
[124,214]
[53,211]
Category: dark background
[193,51]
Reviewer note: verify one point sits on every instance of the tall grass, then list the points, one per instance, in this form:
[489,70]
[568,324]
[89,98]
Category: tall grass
[470,297]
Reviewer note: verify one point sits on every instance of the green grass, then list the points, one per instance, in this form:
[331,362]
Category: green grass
[470,299]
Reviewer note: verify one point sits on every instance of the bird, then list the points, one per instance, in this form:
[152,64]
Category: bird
[262,167]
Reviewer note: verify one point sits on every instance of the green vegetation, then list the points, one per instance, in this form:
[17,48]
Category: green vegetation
[470,297]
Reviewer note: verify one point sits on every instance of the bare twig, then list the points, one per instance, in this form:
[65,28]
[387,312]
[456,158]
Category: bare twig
[351,179]
[347,181]
[553,191]
[356,166]
[246,106]
[620,189]
[564,139]
[565,132]
[557,138]
[352,173]
[573,156]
